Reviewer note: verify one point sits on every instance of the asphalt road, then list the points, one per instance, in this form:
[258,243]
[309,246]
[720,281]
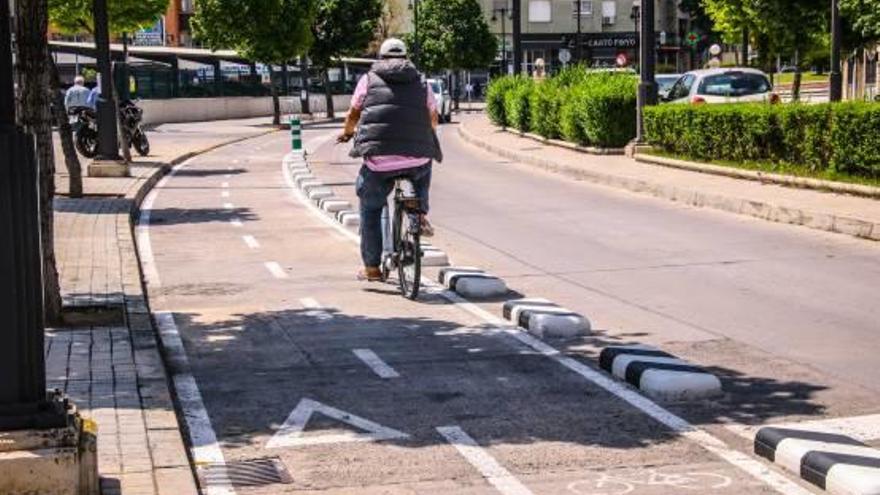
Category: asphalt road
[352,389]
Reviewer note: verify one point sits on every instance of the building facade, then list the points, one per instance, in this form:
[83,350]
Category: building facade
[609,32]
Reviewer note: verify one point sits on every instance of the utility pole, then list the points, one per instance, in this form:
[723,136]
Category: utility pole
[24,402]
[647,85]
[108,144]
[505,11]
[835,91]
[578,52]
[517,36]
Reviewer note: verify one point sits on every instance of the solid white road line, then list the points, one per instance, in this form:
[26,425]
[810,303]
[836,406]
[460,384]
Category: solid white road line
[276,270]
[755,468]
[251,241]
[236,222]
[494,473]
[205,449]
[375,363]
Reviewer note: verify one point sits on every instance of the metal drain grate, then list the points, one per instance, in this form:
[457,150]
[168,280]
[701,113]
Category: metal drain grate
[251,472]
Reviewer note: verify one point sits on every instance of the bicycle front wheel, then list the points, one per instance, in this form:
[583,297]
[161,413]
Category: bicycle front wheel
[409,252]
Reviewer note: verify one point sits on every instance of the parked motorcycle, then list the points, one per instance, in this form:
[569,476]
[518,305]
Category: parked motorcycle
[130,116]
[85,125]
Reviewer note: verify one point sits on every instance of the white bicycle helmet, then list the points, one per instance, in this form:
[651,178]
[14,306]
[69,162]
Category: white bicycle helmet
[392,48]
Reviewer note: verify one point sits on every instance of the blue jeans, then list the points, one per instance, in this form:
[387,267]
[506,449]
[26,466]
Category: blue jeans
[373,189]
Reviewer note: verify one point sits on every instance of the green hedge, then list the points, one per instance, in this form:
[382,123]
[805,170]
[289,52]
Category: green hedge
[840,137]
[586,107]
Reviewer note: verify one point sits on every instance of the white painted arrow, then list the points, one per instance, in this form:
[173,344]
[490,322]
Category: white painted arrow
[291,432]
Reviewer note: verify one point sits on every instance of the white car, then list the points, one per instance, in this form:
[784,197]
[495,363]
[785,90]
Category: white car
[723,85]
[444,100]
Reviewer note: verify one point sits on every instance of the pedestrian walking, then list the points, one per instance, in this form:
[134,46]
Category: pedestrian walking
[77,95]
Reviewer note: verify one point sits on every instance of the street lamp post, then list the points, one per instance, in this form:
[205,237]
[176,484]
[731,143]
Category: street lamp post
[577,39]
[517,36]
[504,13]
[24,403]
[108,145]
[835,91]
[647,85]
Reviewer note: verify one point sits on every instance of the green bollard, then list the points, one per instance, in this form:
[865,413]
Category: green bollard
[296,134]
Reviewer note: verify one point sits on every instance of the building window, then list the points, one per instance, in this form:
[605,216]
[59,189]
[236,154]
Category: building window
[586,8]
[609,13]
[540,11]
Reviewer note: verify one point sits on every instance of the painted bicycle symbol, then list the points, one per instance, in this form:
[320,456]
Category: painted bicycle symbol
[607,484]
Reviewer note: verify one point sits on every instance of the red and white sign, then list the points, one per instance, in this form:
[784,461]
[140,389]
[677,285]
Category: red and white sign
[622,60]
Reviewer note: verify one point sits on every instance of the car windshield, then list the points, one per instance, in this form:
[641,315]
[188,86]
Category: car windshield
[734,84]
[435,87]
[665,82]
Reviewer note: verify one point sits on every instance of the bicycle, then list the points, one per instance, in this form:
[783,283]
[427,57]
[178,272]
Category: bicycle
[403,247]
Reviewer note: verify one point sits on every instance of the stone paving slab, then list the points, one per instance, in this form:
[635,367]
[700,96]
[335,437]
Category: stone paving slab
[833,212]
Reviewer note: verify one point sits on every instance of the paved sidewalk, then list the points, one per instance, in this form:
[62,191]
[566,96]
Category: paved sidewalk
[839,213]
[114,373]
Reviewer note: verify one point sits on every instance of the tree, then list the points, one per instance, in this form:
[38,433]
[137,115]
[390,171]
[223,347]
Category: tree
[126,16]
[34,115]
[266,31]
[390,23]
[454,35]
[863,17]
[342,27]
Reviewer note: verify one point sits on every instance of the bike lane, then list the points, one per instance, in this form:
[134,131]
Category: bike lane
[356,390]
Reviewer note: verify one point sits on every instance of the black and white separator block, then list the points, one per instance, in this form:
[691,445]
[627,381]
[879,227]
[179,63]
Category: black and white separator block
[545,319]
[432,256]
[333,205]
[472,283]
[348,218]
[836,463]
[659,375]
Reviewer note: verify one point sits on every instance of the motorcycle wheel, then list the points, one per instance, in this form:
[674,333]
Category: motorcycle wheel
[87,142]
[141,143]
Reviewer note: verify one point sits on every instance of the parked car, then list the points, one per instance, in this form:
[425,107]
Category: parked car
[665,82]
[722,85]
[444,99]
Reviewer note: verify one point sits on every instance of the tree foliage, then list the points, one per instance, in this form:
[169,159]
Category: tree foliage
[454,35]
[863,17]
[343,27]
[267,31]
[126,16]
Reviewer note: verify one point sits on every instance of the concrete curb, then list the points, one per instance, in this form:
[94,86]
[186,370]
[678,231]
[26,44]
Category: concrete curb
[545,319]
[472,283]
[836,463]
[659,375]
[764,177]
[766,211]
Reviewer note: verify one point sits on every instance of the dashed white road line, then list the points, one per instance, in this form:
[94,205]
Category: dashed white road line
[224,185]
[236,222]
[251,241]
[317,310]
[228,206]
[752,466]
[227,176]
[224,194]
[276,270]
[494,473]
[375,363]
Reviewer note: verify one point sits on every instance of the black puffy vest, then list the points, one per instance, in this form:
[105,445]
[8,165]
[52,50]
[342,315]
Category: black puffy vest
[395,119]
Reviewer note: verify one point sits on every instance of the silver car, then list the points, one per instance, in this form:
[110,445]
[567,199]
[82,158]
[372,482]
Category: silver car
[443,98]
[723,85]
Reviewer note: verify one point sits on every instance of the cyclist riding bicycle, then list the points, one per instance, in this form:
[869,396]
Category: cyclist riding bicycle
[396,117]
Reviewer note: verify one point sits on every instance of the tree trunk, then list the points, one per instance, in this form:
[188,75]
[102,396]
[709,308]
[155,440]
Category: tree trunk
[65,132]
[796,85]
[276,101]
[35,116]
[122,95]
[328,93]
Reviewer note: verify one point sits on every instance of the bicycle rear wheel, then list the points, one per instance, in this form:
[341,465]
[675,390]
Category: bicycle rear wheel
[408,248]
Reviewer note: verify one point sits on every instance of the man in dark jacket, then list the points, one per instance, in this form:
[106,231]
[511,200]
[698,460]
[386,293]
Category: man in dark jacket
[395,116]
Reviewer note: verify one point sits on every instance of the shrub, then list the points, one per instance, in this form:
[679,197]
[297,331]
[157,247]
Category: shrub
[569,118]
[804,131]
[516,103]
[544,106]
[606,109]
[855,134]
[495,94]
